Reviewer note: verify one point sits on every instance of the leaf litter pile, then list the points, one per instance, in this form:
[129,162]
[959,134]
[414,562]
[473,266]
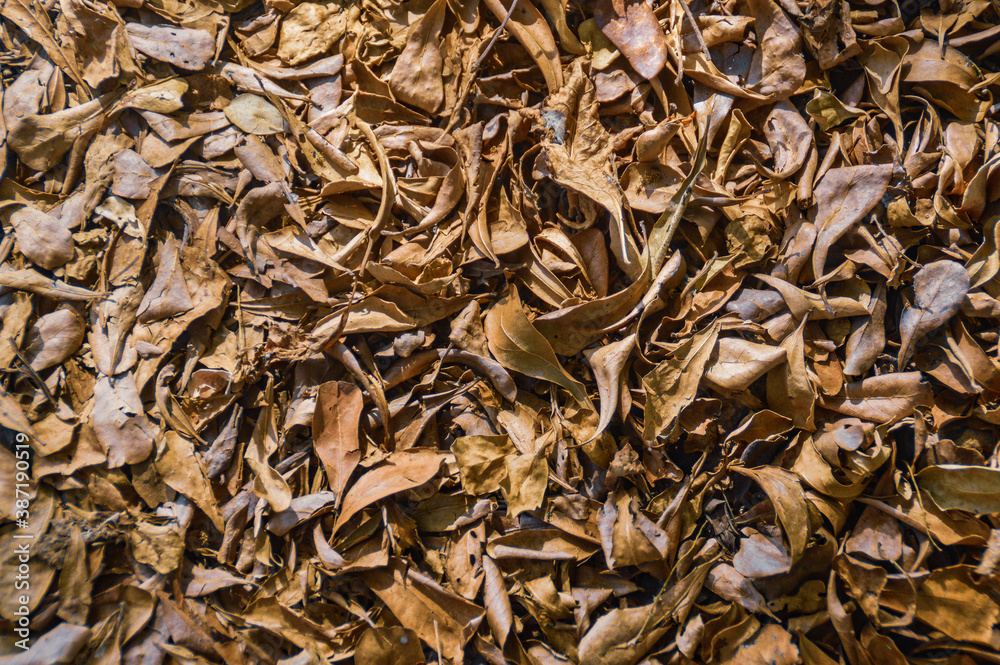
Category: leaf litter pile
[536,332]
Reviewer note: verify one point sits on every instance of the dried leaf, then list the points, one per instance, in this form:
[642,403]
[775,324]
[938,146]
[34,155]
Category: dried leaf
[416,77]
[940,289]
[515,342]
[843,197]
[673,384]
[632,27]
[881,399]
[335,431]
[42,238]
[959,487]
[255,115]
[401,471]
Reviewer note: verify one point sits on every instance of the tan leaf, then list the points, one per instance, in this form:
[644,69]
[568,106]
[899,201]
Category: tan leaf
[438,616]
[335,431]
[673,384]
[881,399]
[787,496]
[608,364]
[309,30]
[868,339]
[519,347]
[416,76]
[255,115]
[960,487]
[481,461]
[120,422]
[739,362]
[633,28]
[42,238]
[399,472]
[182,469]
[187,48]
[389,645]
[530,28]
[843,197]
[577,154]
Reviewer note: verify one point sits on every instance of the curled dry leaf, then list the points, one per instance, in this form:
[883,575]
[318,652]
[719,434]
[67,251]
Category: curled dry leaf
[673,384]
[401,471]
[867,340]
[608,364]
[956,487]
[842,198]
[529,27]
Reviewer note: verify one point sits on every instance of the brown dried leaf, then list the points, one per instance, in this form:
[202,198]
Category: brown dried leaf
[515,342]
[42,238]
[335,431]
[632,27]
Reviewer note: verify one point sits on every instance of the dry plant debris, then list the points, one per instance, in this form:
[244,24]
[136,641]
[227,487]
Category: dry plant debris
[500,331]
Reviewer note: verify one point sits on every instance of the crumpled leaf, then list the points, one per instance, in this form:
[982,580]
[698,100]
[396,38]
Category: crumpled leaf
[608,364]
[58,646]
[530,28]
[842,198]
[401,471]
[309,30]
[181,468]
[624,636]
[119,421]
[438,616]
[786,494]
[303,306]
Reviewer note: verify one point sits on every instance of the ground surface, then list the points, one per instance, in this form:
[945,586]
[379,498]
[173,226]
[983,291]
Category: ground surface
[458,331]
